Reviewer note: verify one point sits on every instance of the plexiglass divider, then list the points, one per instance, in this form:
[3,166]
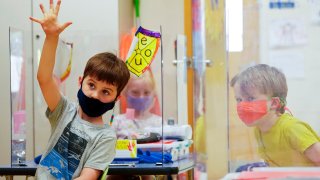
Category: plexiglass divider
[18,99]
[139,123]
[160,136]
[139,114]
[290,53]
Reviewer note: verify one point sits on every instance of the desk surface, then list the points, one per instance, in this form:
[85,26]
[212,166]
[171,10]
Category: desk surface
[139,169]
[276,173]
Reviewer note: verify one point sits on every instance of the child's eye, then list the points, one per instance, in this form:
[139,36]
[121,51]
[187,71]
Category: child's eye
[91,85]
[146,93]
[105,92]
[238,100]
[135,93]
[251,99]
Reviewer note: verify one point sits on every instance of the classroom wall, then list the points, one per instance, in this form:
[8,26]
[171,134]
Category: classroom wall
[126,17]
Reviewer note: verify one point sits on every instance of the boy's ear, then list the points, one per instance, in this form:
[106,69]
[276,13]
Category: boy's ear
[275,103]
[119,97]
[80,81]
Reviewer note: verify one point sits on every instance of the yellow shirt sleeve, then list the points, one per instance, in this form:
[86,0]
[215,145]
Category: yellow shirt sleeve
[301,136]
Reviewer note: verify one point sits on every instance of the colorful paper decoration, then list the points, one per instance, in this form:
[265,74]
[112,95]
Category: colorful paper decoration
[143,49]
[62,68]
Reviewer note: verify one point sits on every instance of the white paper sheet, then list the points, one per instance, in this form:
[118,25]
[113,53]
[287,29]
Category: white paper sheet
[287,33]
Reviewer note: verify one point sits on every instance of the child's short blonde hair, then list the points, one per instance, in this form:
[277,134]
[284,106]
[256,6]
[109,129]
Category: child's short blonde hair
[147,76]
[266,79]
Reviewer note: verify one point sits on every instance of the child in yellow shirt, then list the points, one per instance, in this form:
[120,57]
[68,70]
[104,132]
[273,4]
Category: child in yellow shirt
[283,140]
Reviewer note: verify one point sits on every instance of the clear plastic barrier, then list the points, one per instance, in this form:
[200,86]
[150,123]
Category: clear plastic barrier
[18,87]
[273,108]
[140,121]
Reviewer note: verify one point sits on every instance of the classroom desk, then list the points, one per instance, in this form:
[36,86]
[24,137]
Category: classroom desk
[264,173]
[139,169]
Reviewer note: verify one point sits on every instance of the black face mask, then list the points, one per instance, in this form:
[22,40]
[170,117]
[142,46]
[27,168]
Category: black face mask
[93,107]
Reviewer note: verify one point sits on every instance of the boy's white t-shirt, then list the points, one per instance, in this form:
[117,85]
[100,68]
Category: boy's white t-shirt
[74,144]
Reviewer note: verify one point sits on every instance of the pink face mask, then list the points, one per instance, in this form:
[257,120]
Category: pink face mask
[251,111]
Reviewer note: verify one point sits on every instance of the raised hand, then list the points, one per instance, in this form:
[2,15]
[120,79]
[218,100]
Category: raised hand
[49,23]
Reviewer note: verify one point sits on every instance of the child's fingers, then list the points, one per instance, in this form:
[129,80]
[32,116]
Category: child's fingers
[51,4]
[57,7]
[35,20]
[65,25]
[42,9]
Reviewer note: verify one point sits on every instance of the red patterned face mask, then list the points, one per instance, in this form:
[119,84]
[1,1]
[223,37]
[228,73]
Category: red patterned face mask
[251,111]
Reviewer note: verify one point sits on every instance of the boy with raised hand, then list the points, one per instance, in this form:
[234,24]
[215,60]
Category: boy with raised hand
[81,146]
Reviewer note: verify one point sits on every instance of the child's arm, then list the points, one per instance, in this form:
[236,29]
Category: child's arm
[89,173]
[52,30]
[313,153]
[100,156]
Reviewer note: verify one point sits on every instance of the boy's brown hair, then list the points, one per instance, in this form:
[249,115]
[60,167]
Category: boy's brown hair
[109,68]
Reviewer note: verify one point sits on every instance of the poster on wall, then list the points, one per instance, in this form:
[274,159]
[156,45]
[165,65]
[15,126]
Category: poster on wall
[314,6]
[281,4]
[287,33]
